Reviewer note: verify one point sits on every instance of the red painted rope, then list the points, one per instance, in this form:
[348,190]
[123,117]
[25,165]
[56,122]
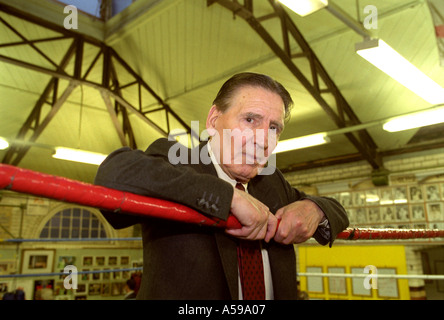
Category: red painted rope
[63,189]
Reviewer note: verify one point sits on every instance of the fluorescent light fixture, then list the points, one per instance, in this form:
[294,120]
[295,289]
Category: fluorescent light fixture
[302,142]
[380,54]
[3,144]
[415,120]
[78,155]
[304,7]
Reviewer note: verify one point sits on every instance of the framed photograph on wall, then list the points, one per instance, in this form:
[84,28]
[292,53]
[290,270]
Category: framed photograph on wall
[417,212]
[87,261]
[361,216]
[358,288]
[386,196]
[400,195]
[415,194]
[388,214]
[345,199]
[358,199]
[374,215]
[37,261]
[372,197]
[337,285]
[387,287]
[435,211]
[315,284]
[402,213]
[432,192]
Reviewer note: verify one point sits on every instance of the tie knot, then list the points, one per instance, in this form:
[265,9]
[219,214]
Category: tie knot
[240,186]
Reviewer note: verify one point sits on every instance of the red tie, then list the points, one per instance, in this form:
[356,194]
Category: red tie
[251,268]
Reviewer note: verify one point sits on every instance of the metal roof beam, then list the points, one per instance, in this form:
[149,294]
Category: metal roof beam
[364,144]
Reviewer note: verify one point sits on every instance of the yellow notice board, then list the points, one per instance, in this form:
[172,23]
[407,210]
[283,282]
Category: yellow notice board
[353,260]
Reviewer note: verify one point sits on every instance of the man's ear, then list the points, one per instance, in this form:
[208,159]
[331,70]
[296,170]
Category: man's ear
[213,114]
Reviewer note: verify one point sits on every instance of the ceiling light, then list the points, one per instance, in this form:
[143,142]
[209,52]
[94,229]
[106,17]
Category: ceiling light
[302,142]
[415,120]
[392,63]
[304,7]
[3,144]
[78,155]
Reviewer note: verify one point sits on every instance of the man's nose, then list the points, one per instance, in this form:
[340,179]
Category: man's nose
[263,137]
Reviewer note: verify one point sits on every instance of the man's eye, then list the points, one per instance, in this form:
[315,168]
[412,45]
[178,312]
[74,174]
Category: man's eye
[249,120]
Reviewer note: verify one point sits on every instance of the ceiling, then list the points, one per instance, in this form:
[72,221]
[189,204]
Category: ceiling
[157,66]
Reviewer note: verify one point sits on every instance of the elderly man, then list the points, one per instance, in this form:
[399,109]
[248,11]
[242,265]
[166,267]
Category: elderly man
[257,261]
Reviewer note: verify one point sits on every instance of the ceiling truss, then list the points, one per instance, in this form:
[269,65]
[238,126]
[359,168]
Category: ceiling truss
[110,86]
[318,83]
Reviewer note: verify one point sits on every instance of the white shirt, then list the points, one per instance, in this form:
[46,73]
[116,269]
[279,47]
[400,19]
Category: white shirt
[269,295]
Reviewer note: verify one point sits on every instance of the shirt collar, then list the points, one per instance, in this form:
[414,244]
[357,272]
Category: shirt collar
[221,173]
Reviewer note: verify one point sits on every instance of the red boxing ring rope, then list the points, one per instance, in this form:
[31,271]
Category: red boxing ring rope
[63,189]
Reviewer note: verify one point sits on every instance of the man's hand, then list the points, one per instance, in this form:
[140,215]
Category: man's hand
[256,220]
[299,221]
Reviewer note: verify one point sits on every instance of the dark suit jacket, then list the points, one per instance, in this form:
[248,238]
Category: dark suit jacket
[183,261]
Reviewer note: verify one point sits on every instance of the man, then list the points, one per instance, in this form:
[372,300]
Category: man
[183,261]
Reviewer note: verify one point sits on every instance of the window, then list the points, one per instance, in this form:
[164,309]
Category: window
[73,223]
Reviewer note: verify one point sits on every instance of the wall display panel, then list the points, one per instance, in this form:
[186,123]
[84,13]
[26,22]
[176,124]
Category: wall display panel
[400,206]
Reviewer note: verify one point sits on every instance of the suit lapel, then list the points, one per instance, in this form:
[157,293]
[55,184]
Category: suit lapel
[226,245]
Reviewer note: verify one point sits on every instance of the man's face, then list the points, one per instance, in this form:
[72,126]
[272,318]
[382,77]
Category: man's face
[245,135]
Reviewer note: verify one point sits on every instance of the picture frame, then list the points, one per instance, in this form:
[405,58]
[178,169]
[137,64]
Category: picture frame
[400,195]
[372,197]
[417,212]
[124,260]
[361,216]
[337,285]
[63,261]
[387,288]
[351,213]
[105,290]
[116,288]
[39,289]
[87,261]
[415,194]
[94,288]
[100,261]
[358,288]
[315,284]
[345,199]
[112,261]
[435,211]
[358,199]
[388,214]
[402,213]
[432,192]
[374,215]
[36,261]
[386,197]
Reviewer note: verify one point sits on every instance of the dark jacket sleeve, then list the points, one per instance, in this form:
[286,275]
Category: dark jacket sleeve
[333,210]
[151,174]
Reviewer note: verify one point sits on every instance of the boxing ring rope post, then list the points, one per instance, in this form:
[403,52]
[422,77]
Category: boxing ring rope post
[66,190]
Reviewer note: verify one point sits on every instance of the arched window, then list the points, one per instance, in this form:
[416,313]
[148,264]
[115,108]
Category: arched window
[73,223]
